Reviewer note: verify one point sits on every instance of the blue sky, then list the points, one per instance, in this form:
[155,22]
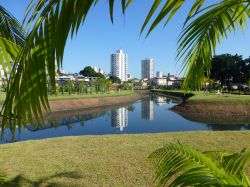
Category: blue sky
[98,38]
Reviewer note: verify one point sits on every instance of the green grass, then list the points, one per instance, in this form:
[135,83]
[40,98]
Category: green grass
[201,97]
[77,96]
[94,95]
[110,160]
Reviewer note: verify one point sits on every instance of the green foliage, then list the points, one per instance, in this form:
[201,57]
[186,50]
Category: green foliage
[115,79]
[90,72]
[81,87]
[51,21]
[11,39]
[10,28]
[228,67]
[69,85]
[4,86]
[178,165]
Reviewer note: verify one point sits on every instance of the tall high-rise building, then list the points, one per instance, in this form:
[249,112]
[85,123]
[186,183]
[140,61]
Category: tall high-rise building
[119,118]
[119,65]
[147,68]
[147,109]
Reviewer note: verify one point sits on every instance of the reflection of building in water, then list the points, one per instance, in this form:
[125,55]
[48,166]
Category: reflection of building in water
[119,118]
[159,100]
[147,109]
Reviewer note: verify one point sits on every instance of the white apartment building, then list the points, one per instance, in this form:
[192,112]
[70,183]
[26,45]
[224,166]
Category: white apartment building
[119,118]
[119,65]
[97,69]
[147,68]
[159,74]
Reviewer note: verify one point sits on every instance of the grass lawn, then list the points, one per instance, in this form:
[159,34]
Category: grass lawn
[110,160]
[77,96]
[202,97]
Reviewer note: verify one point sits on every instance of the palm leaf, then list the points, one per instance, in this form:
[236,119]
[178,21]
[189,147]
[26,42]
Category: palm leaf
[198,41]
[10,28]
[11,38]
[50,22]
[178,165]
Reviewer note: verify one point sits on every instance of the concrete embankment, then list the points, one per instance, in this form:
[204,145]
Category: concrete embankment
[69,107]
[212,113]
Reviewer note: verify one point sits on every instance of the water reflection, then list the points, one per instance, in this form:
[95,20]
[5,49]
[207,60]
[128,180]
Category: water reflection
[68,121]
[147,109]
[149,115]
[221,127]
[119,118]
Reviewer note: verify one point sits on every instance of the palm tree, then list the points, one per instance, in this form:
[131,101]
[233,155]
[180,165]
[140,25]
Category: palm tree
[52,21]
[178,165]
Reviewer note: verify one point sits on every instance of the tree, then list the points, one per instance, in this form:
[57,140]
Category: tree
[69,85]
[88,71]
[178,165]
[229,68]
[109,85]
[115,79]
[51,22]
[81,87]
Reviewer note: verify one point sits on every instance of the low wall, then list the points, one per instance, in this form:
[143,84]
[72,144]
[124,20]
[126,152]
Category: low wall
[77,106]
[214,113]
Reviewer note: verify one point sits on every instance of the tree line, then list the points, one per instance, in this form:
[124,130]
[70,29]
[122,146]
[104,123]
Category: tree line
[229,69]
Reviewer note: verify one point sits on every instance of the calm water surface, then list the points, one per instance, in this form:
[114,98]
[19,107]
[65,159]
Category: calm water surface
[149,115]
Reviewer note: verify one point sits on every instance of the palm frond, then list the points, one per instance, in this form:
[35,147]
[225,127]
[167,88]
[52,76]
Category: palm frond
[11,39]
[50,23]
[234,164]
[178,165]
[168,11]
[199,39]
[8,51]
[10,28]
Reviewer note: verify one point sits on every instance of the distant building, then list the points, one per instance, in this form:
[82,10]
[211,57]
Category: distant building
[119,65]
[147,68]
[119,118]
[63,78]
[160,81]
[129,77]
[97,69]
[159,74]
[147,109]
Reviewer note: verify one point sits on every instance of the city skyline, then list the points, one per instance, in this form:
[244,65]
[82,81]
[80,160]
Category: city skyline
[95,42]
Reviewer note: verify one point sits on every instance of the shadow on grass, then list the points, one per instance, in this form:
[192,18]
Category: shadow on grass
[20,180]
